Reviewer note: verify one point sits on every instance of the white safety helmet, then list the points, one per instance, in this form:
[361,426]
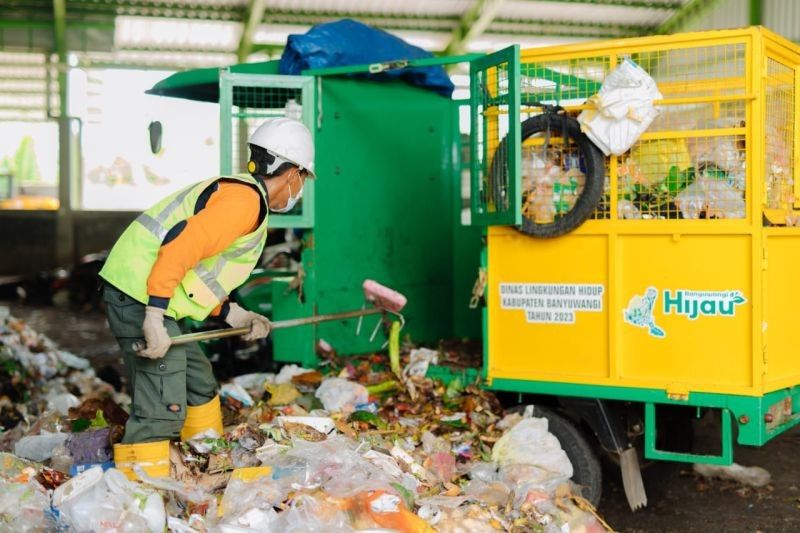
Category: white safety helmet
[287,139]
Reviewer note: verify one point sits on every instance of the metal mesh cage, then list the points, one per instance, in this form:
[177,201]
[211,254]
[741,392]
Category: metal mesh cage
[780,126]
[491,156]
[253,105]
[689,164]
[246,101]
[553,173]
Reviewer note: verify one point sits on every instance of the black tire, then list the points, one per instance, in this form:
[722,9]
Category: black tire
[594,162]
[587,471]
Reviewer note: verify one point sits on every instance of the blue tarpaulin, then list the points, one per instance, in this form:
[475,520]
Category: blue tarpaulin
[348,42]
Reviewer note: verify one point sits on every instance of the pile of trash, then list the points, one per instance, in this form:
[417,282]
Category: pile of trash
[359,444]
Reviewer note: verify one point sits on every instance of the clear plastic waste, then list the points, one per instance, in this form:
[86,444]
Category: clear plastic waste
[418,362]
[337,394]
[237,392]
[24,507]
[255,381]
[530,443]
[98,501]
[753,476]
[309,514]
[710,197]
[61,403]
[289,371]
[627,211]
[39,447]
[249,504]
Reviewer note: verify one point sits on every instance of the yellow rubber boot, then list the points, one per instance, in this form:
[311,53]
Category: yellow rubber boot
[153,457]
[200,418]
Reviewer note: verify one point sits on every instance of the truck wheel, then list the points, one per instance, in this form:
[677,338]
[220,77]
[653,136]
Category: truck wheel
[580,148]
[587,472]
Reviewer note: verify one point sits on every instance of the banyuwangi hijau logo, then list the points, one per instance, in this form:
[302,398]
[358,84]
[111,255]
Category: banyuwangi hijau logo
[691,304]
[694,304]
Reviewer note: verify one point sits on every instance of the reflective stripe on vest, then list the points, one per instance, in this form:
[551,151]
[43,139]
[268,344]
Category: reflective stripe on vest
[156,225]
[204,286]
[209,277]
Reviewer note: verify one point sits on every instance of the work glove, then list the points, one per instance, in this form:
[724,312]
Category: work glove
[155,333]
[240,318]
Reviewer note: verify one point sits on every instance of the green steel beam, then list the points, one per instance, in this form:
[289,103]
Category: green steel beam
[693,10]
[756,13]
[472,23]
[255,13]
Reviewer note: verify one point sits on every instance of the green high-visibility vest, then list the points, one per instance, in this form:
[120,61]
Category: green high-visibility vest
[210,281]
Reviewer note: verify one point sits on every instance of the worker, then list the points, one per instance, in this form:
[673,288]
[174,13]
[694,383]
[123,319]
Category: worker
[181,259]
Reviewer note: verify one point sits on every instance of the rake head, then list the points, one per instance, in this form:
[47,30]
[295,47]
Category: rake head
[383,297]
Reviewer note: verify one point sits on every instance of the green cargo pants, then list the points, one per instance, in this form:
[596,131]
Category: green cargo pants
[160,389]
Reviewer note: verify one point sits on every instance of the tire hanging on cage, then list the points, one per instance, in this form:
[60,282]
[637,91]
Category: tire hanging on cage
[552,124]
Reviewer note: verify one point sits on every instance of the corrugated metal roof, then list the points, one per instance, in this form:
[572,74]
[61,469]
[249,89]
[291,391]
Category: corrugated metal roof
[584,13]
[416,8]
[214,27]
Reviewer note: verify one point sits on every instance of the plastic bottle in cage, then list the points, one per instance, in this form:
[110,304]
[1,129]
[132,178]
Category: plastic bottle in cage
[293,110]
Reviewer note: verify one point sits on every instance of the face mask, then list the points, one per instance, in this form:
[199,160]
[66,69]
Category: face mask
[290,203]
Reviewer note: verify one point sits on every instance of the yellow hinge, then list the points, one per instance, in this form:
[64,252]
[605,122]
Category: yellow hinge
[678,391]
[764,258]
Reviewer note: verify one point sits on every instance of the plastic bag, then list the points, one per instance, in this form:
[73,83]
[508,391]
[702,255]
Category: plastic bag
[236,392]
[23,507]
[711,197]
[337,394]
[39,447]
[336,466]
[255,381]
[312,515]
[419,361]
[61,403]
[249,504]
[627,211]
[491,493]
[623,109]
[289,371]
[97,501]
[530,443]
[754,476]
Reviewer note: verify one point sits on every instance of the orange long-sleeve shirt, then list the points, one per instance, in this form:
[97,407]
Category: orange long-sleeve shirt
[231,211]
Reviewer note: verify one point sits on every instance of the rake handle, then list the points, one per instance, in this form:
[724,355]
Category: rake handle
[280,324]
